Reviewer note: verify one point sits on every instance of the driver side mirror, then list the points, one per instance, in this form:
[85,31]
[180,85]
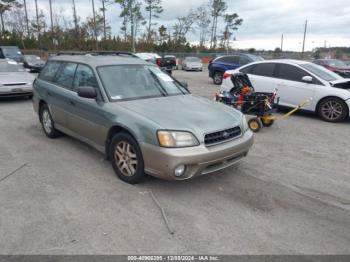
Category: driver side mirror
[307,79]
[184,84]
[87,92]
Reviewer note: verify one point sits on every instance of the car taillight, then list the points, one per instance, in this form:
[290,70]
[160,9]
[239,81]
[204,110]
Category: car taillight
[158,61]
[227,75]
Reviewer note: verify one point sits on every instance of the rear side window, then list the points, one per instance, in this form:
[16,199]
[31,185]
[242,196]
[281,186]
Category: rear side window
[65,75]
[84,77]
[292,73]
[265,69]
[229,59]
[248,69]
[49,71]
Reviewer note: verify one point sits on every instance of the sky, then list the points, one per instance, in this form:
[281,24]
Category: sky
[264,21]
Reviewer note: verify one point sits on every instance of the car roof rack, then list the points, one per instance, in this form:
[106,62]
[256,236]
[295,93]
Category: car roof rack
[95,53]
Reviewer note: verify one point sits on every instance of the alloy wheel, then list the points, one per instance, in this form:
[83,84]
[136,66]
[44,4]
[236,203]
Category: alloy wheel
[332,110]
[47,123]
[126,158]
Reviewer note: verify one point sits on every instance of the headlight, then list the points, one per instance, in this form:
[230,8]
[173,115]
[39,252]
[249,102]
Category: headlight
[245,126]
[176,139]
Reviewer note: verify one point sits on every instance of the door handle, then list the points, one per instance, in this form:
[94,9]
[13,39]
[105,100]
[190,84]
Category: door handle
[71,102]
[49,93]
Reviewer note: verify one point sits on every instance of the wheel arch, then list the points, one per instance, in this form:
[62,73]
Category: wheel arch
[114,130]
[327,97]
[41,104]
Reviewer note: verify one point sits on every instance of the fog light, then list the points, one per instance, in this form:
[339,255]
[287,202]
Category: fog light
[180,170]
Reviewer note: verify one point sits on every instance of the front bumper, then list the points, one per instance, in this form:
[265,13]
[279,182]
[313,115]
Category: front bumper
[161,162]
[16,91]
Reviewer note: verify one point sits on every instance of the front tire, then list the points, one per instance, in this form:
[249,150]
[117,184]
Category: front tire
[126,157]
[217,78]
[47,122]
[332,110]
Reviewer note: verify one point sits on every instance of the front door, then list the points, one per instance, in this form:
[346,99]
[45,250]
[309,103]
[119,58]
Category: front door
[291,89]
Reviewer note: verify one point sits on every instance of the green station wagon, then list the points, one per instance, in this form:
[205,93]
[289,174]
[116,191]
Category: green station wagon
[142,119]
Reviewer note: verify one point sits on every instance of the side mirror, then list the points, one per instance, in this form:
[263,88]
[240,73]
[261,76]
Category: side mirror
[184,84]
[87,92]
[307,79]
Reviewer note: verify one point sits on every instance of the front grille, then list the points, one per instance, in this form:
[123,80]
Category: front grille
[222,136]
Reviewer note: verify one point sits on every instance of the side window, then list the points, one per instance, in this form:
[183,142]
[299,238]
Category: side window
[49,71]
[248,69]
[65,75]
[233,59]
[264,69]
[244,60]
[292,73]
[84,77]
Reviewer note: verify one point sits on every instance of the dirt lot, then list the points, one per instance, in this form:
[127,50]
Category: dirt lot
[290,196]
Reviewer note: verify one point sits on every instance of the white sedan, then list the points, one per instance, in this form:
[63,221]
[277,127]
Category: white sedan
[297,81]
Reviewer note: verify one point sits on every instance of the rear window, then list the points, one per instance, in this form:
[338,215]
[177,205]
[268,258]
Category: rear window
[49,71]
[247,69]
[265,69]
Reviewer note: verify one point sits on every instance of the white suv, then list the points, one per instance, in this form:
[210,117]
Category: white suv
[297,81]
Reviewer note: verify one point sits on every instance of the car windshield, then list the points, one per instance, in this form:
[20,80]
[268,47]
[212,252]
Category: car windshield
[123,82]
[336,63]
[11,67]
[321,72]
[193,59]
[33,59]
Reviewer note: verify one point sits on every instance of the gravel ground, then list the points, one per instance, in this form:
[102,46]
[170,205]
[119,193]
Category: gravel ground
[290,196]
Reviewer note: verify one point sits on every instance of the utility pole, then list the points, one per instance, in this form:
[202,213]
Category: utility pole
[282,38]
[26,14]
[305,29]
[94,17]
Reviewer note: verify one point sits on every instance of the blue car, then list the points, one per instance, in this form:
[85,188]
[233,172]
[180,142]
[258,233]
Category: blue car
[221,64]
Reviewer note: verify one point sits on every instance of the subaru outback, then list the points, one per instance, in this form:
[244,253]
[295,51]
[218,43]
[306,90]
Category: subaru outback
[142,119]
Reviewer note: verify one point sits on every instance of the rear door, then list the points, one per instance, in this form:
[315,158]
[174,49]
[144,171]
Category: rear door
[54,95]
[86,117]
[291,89]
[262,76]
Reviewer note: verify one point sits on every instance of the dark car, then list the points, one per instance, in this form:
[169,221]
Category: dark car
[33,63]
[220,65]
[337,66]
[12,52]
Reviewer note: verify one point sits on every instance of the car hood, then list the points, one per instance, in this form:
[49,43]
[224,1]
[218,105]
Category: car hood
[15,77]
[341,83]
[186,112]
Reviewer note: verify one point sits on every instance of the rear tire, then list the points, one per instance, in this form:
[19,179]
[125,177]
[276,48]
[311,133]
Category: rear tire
[332,110]
[126,157]
[217,78]
[47,122]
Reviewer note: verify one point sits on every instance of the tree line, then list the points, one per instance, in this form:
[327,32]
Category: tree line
[139,28]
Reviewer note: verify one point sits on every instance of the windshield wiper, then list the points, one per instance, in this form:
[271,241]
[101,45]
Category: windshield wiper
[160,87]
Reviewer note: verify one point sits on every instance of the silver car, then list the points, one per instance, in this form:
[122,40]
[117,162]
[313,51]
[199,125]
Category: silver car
[192,64]
[15,81]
